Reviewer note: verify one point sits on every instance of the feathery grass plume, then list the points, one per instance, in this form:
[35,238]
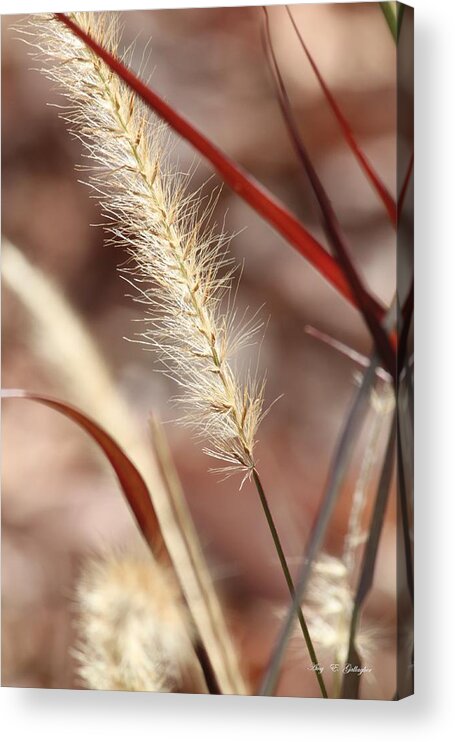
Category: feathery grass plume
[174,261]
[132,629]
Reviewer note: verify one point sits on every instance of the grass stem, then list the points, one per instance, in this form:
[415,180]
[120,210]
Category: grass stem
[289,581]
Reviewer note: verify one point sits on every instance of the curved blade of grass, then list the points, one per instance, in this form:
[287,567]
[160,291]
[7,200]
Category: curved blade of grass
[266,205]
[351,681]
[330,221]
[357,151]
[131,481]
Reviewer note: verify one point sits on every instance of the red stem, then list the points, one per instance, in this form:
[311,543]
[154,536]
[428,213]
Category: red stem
[365,164]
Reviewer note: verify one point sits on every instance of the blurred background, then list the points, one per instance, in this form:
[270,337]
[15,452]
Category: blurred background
[60,501]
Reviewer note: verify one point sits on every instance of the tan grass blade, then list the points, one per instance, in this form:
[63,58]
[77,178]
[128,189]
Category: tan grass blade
[211,622]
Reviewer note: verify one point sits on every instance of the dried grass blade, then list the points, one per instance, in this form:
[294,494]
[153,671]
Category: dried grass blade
[206,608]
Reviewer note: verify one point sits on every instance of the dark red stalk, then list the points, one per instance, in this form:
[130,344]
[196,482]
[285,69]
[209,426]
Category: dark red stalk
[241,182]
[363,161]
[329,219]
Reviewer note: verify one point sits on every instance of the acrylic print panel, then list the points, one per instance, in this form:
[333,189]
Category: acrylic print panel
[223,504]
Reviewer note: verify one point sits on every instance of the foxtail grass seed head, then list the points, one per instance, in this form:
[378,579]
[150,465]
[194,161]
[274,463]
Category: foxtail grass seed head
[179,268]
[132,628]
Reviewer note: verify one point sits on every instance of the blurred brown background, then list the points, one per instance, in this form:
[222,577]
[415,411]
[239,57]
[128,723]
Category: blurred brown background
[60,502]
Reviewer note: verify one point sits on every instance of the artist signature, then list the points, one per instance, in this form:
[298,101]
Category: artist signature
[345,669]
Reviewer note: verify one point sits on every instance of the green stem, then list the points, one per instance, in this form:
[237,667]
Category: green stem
[290,584]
